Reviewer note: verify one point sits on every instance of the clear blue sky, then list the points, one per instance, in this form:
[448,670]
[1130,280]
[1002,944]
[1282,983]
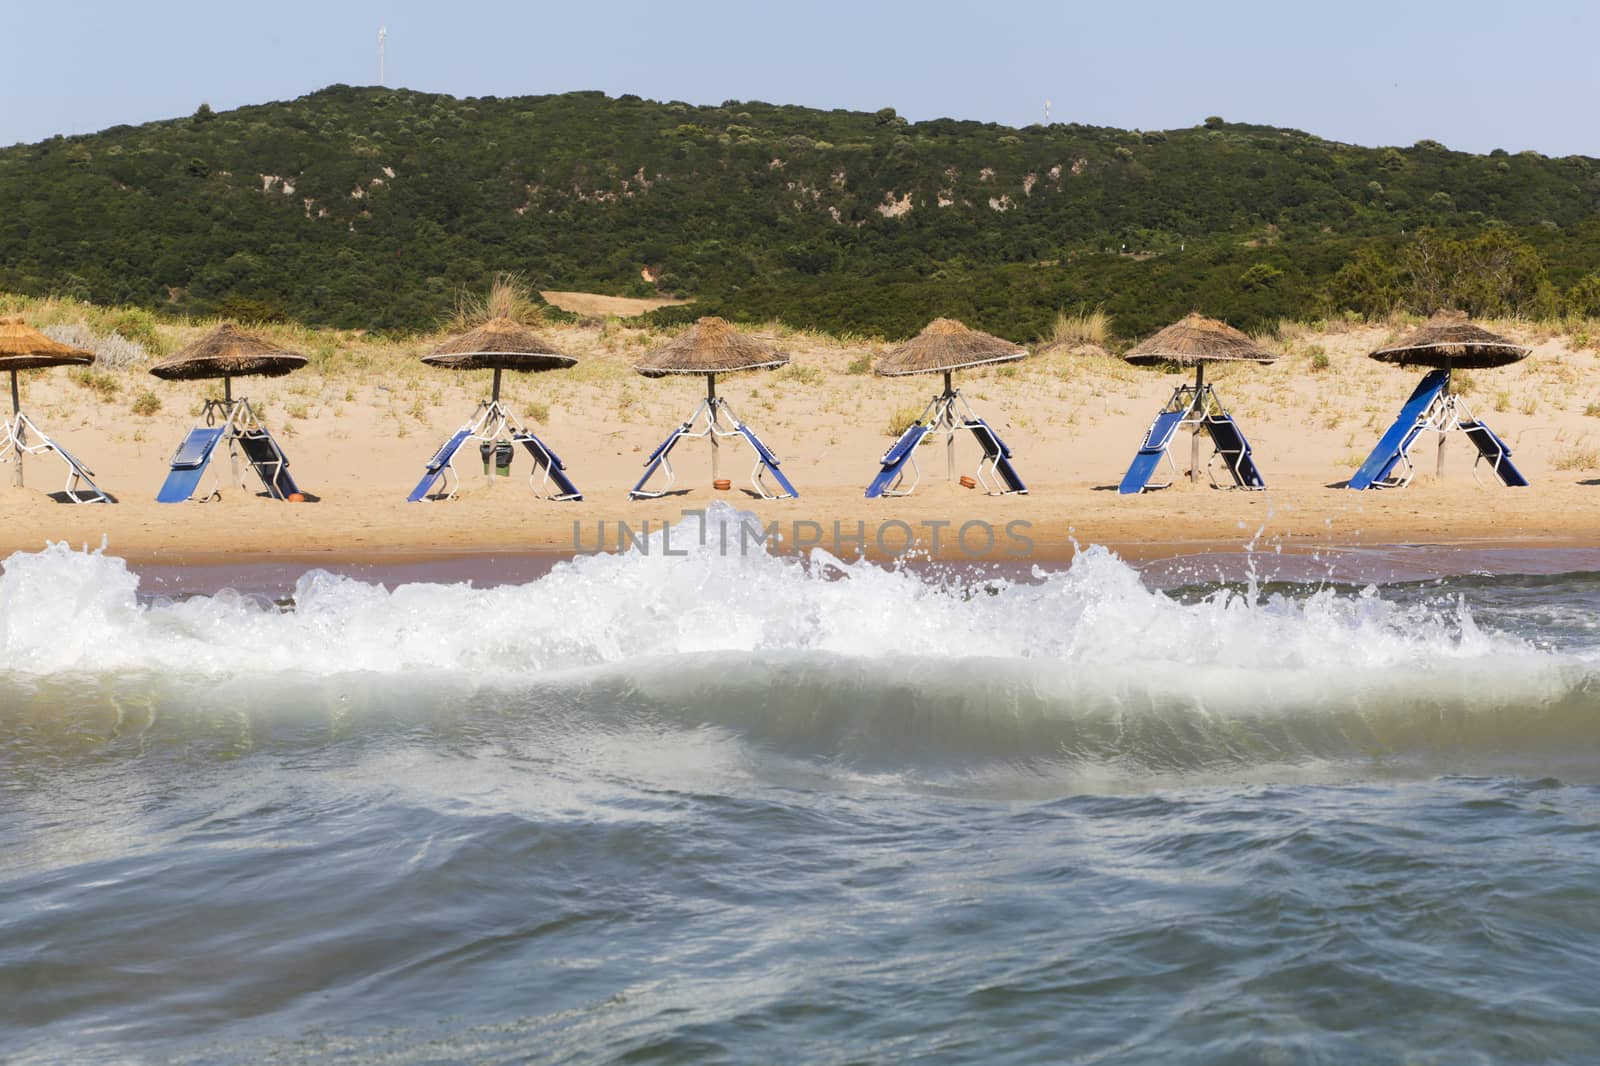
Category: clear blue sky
[1474,74]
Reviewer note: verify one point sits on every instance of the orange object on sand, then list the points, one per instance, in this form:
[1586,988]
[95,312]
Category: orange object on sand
[295,497]
[722,484]
[967,482]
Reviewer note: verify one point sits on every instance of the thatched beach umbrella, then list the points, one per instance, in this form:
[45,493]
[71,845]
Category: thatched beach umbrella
[711,346]
[1196,340]
[499,344]
[943,347]
[24,348]
[228,352]
[1449,341]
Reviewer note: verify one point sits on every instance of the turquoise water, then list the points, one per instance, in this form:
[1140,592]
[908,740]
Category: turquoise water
[739,809]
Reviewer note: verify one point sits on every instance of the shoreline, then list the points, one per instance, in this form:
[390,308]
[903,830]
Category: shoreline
[277,576]
[1132,552]
[360,524]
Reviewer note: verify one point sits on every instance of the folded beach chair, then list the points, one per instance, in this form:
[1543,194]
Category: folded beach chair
[189,464]
[1494,450]
[1144,464]
[1234,451]
[1377,471]
[547,461]
[440,466]
[658,459]
[766,463]
[269,462]
[78,475]
[894,461]
[998,459]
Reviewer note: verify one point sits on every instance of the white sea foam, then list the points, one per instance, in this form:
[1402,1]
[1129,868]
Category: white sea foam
[1086,665]
[67,610]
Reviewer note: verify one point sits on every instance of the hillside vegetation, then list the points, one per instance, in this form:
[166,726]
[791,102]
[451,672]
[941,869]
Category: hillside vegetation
[372,208]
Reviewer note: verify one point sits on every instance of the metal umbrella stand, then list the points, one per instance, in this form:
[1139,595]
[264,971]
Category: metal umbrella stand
[1195,340]
[228,352]
[710,347]
[24,348]
[943,347]
[1445,343]
[499,345]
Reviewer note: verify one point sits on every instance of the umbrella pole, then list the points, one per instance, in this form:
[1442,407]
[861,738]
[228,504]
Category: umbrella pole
[16,430]
[1194,433]
[1438,471]
[494,390]
[231,432]
[949,429]
[711,406]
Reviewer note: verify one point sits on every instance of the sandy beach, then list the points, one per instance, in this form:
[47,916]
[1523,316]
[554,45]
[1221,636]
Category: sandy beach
[360,422]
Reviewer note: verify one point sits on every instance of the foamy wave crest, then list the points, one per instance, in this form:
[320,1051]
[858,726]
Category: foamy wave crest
[1086,664]
[66,610]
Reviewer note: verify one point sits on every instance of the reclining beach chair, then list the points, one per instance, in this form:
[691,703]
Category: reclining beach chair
[1394,447]
[887,482]
[1493,450]
[548,463]
[1151,452]
[659,460]
[766,463]
[1234,451]
[1001,477]
[78,476]
[189,464]
[80,486]
[441,466]
[269,463]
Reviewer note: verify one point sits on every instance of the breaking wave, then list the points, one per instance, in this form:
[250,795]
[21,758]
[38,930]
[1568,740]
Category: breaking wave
[1077,667]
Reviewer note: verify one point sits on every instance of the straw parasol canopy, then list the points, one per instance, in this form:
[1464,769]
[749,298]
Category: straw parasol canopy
[1195,340]
[24,348]
[1448,340]
[228,352]
[710,346]
[499,344]
[945,345]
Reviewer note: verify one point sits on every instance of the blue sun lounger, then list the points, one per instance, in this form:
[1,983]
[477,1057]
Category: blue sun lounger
[439,464]
[894,460]
[1494,450]
[1234,451]
[998,456]
[1396,441]
[189,464]
[547,460]
[654,462]
[1144,464]
[270,464]
[767,463]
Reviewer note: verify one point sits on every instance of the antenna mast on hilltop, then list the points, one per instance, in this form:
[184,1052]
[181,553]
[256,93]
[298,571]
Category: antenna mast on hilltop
[1047,112]
[383,35]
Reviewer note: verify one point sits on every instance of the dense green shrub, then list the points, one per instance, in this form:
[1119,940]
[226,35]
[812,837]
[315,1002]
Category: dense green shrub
[374,207]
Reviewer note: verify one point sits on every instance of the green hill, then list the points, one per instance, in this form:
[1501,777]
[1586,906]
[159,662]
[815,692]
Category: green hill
[373,207]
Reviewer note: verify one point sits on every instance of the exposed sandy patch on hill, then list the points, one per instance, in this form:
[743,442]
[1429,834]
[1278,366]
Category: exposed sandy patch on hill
[591,303]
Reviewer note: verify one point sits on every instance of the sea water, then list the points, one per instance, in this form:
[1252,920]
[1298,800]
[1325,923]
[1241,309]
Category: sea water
[745,807]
